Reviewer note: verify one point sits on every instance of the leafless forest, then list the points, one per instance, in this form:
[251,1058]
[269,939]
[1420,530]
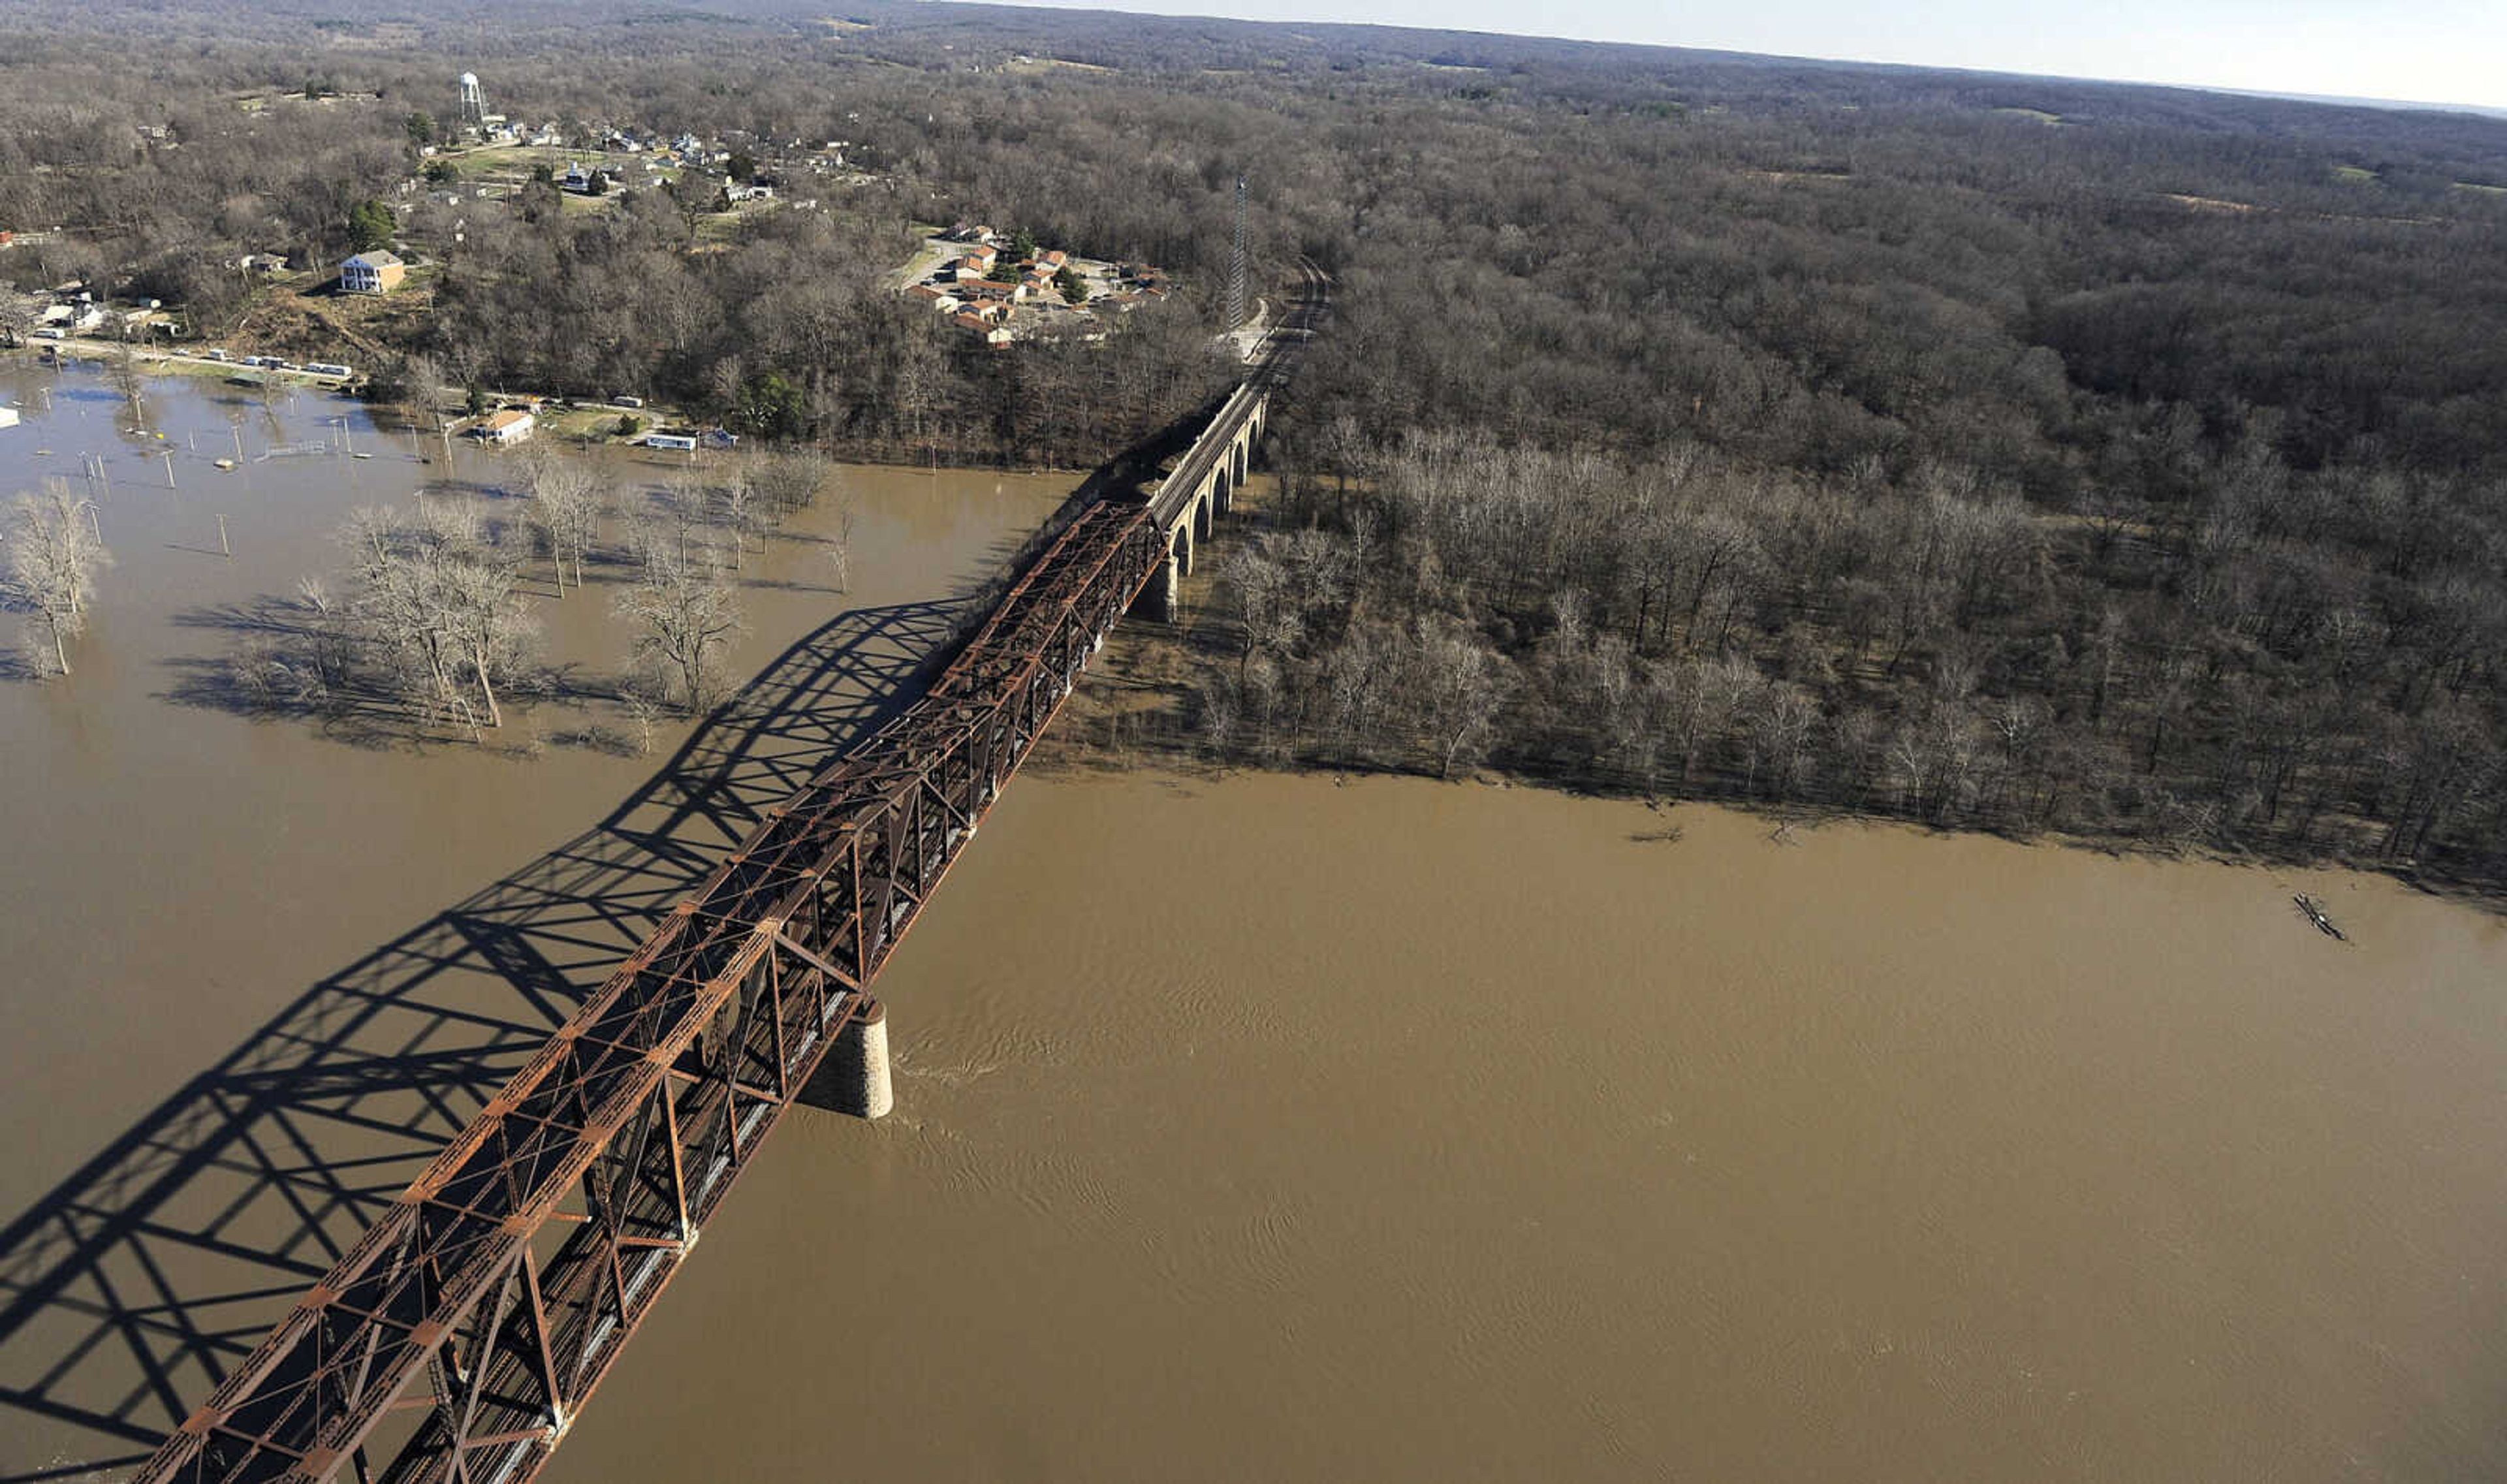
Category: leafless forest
[1985,451]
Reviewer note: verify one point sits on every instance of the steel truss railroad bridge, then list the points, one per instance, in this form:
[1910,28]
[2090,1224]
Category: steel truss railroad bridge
[460,1337]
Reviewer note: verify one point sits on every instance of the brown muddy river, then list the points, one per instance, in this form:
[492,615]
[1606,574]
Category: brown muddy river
[1264,1129]
[1270,1127]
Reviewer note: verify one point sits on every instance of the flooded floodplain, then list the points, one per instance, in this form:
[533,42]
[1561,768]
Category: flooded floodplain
[1248,1127]
[256,970]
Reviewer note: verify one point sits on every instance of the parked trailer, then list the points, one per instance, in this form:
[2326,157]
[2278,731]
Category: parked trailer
[669,441]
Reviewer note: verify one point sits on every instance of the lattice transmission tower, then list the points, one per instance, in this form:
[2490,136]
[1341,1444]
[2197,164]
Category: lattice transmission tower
[1236,264]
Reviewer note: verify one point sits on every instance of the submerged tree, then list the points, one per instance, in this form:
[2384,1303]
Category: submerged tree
[566,506]
[788,481]
[54,552]
[685,612]
[435,601]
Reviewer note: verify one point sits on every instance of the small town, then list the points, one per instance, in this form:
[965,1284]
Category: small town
[1004,288]
[344,322]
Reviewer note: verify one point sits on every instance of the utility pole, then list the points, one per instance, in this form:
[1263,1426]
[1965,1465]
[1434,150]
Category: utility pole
[1236,264]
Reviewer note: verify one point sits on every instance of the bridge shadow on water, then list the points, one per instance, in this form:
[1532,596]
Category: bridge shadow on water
[129,1290]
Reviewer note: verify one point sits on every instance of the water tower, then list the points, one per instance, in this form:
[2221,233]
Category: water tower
[474,103]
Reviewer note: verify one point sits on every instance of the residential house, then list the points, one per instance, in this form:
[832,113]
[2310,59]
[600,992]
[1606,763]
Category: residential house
[993,333]
[506,428]
[372,273]
[75,316]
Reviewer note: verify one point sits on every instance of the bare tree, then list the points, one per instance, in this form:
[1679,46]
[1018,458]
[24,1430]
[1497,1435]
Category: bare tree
[788,481]
[55,553]
[124,368]
[687,615]
[16,316]
[840,552]
[566,505]
[427,389]
[737,507]
[485,624]
[437,599]
[1268,621]
[1458,688]
[640,699]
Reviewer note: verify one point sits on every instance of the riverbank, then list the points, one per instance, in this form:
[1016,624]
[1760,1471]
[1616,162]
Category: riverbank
[1172,696]
[581,424]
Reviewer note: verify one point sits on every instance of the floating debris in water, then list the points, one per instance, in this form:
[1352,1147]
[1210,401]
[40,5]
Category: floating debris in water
[2315,914]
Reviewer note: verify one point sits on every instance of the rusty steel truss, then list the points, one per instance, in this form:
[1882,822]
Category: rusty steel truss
[461,1335]
[458,1339]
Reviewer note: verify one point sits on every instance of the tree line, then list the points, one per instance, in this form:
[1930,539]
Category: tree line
[1997,452]
[2299,666]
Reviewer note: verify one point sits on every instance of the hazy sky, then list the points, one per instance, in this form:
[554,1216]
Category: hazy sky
[2437,50]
